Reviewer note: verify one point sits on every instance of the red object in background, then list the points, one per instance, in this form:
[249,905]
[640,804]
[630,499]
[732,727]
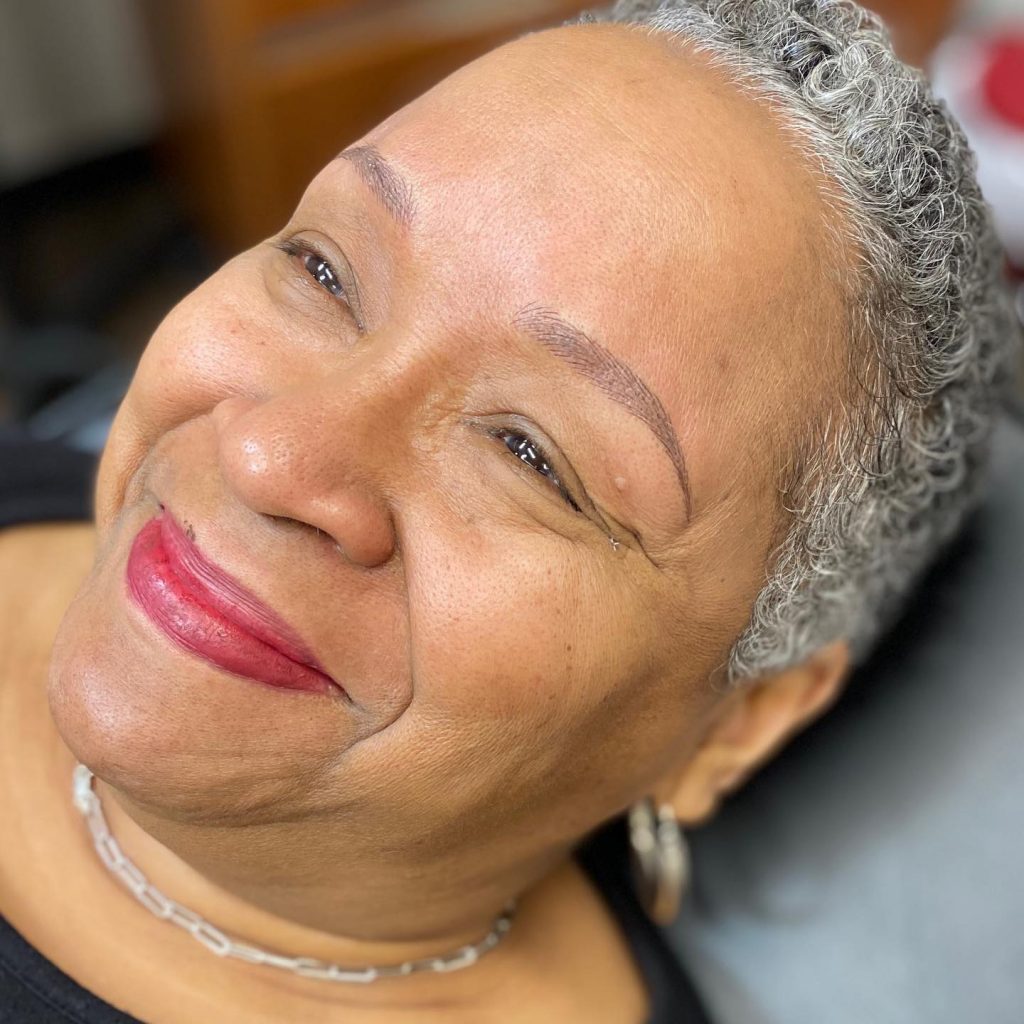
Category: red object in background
[1003,82]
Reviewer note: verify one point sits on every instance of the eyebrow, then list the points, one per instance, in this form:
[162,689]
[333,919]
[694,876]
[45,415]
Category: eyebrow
[390,188]
[617,380]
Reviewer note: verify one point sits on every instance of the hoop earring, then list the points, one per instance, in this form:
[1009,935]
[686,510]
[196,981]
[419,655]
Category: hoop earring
[661,859]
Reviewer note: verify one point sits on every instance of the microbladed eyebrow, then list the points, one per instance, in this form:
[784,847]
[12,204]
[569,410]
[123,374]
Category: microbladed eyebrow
[615,378]
[391,189]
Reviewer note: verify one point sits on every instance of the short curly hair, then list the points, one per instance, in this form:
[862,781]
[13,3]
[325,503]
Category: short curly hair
[885,484]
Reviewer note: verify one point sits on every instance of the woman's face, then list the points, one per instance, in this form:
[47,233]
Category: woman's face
[583,241]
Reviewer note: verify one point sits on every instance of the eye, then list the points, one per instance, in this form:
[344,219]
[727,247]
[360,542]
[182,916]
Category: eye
[322,272]
[529,451]
[316,265]
[320,269]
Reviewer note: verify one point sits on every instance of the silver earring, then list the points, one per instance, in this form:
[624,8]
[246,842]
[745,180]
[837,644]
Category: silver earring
[661,859]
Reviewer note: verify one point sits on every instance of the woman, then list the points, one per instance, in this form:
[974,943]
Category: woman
[588,420]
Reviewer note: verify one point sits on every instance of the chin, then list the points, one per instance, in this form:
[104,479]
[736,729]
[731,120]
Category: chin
[175,736]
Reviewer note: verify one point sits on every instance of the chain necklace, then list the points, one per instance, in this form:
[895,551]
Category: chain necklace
[217,942]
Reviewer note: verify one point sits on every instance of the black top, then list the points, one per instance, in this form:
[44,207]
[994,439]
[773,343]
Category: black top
[46,481]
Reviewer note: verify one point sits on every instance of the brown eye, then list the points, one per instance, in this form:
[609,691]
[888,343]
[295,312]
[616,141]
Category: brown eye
[527,450]
[319,268]
[323,273]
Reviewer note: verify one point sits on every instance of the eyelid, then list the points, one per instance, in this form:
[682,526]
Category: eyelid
[567,475]
[296,245]
[540,450]
[585,506]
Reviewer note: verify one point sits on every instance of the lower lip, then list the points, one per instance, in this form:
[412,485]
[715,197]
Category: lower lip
[179,611]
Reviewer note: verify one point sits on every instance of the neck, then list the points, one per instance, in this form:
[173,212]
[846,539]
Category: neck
[538,972]
[438,947]
[559,929]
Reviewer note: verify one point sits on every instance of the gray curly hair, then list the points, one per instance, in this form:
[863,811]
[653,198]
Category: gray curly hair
[881,487]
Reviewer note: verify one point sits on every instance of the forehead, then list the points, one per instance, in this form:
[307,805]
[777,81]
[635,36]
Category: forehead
[613,176]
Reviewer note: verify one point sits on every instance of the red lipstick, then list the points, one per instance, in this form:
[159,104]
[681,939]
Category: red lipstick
[207,612]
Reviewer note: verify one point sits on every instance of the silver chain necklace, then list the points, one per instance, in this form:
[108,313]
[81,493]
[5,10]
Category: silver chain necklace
[217,942]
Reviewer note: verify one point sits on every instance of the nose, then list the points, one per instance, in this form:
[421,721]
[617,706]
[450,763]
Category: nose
[293,456]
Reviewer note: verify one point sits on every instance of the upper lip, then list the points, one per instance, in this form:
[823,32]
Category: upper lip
[229,598]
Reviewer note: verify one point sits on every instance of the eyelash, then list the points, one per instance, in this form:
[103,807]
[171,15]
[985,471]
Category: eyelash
[317,266]
[524,448]
[520,445]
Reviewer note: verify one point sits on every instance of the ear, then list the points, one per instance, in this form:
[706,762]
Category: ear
[753,723]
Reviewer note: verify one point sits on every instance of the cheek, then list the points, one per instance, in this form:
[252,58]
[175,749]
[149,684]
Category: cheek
[206,349]
[505,627]
[531,669]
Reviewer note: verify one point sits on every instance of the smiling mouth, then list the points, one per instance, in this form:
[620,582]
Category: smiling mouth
[208,613]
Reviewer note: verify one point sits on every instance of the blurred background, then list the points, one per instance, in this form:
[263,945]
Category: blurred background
[142,142]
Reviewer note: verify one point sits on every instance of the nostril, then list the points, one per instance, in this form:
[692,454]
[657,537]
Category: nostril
[334,544]
[272,458]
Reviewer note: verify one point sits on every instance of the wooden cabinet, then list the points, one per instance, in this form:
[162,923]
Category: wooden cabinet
[917,26]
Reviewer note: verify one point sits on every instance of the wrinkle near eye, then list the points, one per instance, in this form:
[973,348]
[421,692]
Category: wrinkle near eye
[320,268]
[529,452]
